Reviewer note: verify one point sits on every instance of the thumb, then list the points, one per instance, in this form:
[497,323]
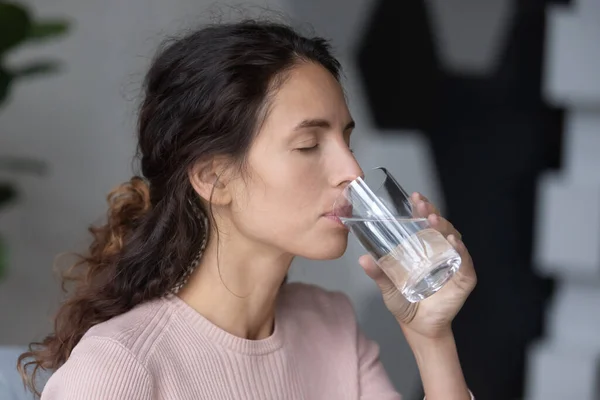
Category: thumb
[374,272]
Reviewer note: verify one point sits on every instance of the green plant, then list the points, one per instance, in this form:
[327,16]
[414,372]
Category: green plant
[18,27]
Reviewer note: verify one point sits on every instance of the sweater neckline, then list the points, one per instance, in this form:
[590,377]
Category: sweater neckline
[218,335]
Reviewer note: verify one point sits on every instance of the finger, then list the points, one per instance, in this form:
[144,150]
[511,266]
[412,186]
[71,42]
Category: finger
[400,307]
[443,226]
[423,206]
[420,196]
[422,209]
[374,272]
[466,273]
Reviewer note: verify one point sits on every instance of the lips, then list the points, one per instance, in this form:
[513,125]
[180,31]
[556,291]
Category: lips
[341,212]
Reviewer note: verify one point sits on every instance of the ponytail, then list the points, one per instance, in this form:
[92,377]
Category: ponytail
[140,253]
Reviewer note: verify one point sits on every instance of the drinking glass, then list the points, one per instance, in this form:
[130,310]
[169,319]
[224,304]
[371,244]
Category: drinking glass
[417,258]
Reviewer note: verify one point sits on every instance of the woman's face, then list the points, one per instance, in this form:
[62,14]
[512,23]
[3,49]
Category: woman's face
[298,164]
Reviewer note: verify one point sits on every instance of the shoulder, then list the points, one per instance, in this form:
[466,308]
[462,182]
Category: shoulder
[312,301]
[111,360]
[134,329]
[100,368]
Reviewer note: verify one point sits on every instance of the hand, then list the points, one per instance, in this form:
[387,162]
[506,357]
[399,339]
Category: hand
[432,317]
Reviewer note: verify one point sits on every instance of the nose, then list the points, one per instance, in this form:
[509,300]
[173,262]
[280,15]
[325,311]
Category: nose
[346,171]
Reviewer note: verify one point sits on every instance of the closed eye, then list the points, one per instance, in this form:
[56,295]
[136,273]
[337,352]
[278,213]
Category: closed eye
[308,149]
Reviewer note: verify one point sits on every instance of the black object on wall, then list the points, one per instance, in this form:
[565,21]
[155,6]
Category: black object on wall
[398,65]
[491,137]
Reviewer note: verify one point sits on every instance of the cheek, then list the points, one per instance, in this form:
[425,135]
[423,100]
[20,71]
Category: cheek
[290,221]
[281,212]
[280,206]
[287,187]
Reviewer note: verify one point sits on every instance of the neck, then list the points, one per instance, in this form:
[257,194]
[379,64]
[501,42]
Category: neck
[237,290]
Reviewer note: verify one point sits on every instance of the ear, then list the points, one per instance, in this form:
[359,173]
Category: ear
[209,179]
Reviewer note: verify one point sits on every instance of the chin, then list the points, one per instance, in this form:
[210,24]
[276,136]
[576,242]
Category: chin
[330,248]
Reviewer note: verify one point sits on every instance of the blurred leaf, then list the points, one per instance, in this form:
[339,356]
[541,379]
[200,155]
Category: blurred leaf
[36,68]
[26,165]
[15,25]
[5,81]
[7,193]
[47,29]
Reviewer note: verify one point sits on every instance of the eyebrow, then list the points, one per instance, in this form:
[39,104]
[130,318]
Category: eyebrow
[320,123]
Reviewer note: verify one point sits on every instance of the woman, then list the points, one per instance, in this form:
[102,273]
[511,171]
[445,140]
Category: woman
[244,140]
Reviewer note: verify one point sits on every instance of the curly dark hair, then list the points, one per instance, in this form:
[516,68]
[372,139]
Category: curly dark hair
[205,95]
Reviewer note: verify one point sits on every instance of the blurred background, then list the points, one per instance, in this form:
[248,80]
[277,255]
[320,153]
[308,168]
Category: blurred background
[489,107]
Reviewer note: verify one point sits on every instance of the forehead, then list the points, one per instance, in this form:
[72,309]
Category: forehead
[308,92]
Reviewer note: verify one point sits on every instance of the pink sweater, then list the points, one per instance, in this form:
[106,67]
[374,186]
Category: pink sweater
[166,350]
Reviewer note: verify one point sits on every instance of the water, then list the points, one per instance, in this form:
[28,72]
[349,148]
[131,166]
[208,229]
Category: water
[416,258]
